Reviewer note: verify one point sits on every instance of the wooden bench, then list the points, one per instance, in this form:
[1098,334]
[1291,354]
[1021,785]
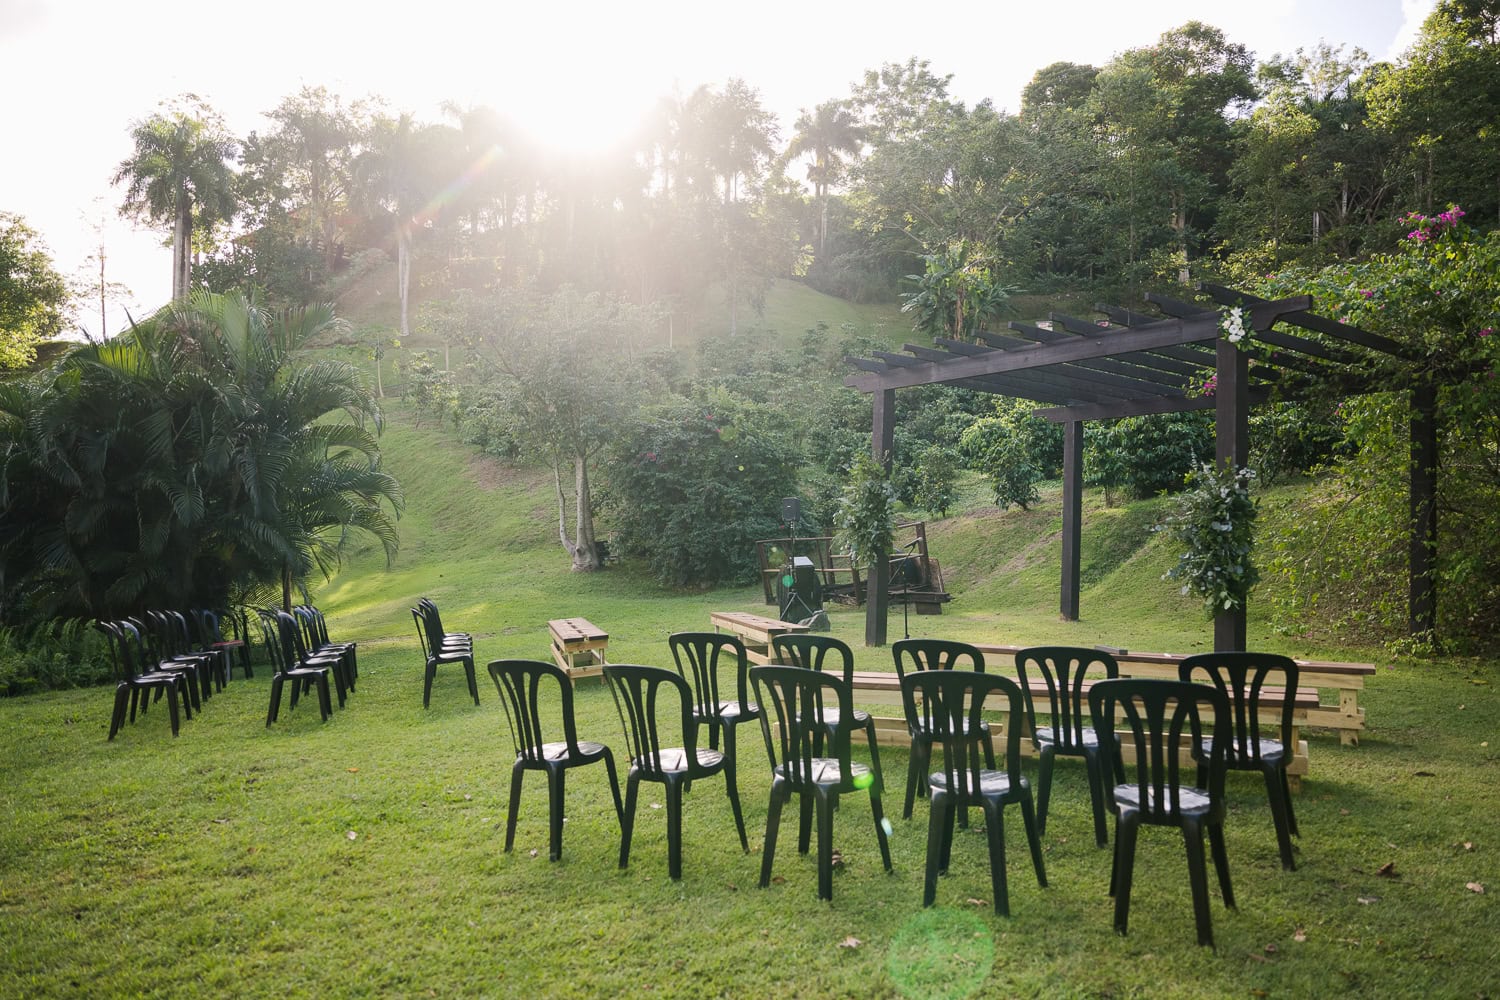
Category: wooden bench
[1338,685]
[755,631]
[884,688]
[578,647]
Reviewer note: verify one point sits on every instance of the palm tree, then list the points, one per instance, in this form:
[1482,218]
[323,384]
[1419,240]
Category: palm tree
[179,174]
[831,129]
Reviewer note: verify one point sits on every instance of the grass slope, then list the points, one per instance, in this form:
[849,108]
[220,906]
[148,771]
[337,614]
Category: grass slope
[363,857]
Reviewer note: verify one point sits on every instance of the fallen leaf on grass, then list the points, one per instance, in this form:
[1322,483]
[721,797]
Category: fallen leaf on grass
[1299,935]
[352,770]
[977,902]
[837,860]
[1387,870]
[850,942]
[533,852]
[1271,948]
[1468,845]
[1424,774]
[1258,958]
[1367,900]
[778,879]
[1343,812]
[352,835]
[1475,887]
[732,887]
[656,805]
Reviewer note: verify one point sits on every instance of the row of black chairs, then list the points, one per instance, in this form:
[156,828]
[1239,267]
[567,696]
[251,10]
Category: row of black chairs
[302,653]
[1216,724]
[182,656]
[440,646]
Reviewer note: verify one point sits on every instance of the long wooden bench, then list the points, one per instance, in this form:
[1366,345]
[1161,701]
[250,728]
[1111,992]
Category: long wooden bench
[755,631]
[884,688]
[1338,685]
[578,647]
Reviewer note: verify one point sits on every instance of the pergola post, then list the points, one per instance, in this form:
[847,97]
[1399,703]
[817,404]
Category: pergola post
[1072,518]
[877,579]
[1232,450]
[1424,517]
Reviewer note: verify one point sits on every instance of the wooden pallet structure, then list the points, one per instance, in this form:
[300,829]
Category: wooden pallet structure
[916,578]
[578,647]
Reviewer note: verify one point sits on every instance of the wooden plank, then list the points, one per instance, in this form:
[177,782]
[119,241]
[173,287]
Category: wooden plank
[578,647]
[755,631]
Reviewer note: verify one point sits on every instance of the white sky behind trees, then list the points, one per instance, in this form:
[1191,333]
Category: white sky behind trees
[577,74]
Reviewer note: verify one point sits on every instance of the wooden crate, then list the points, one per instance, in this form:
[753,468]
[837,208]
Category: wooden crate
[578,646]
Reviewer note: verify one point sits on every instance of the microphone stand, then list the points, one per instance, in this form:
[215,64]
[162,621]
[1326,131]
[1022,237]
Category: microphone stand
[906,597]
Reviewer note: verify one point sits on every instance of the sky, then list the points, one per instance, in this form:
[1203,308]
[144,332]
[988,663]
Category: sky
[576,74]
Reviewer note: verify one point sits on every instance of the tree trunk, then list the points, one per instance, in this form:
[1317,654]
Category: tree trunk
[403,274]
[585,551]
[286,589]
[182,249]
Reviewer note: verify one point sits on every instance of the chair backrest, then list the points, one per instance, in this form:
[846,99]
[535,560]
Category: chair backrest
[697,656]
[520,683]
[1241,678]
[135,656]
[948,707]
[1064,670]
[124,667]
[807,650]
[431,616]
[293,651]
[270,635]
[935,654]
[305,624]
[423,635]
[644,707]
[1162,718]
[792,700]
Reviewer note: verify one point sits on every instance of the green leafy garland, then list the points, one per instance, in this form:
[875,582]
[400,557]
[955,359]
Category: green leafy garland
[1215,519]
[865,512]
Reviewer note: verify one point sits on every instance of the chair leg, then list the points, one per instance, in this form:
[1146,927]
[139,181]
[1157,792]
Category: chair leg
[277,680]
[916,774]
[557,781]
[515,805]
[674,830]
[1126,828]
[614,785]
[826,803]
[1046,759]
[1095,768]
[469,673]
[1291,815]
[1192,839]
[994,815]
[427,682]
[936,825]
[1276,793]
[172,710]
[325,700]
[773,824]
[874,754]
[733,787]
[878,811]
[1221,862]
[627,824]
[123,692]
[804,822]
[1033,840]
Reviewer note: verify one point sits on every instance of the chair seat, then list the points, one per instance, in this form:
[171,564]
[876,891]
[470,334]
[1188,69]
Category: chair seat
[1191,801]
[731,710]
[559,751]
[1047,736]
[826,771]
[1271,752]
[831,717]
[990,782]
[674,760]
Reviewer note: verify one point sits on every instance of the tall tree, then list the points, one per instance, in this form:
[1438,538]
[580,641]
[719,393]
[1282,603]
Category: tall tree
[179,175]
[825,134]
[32,294]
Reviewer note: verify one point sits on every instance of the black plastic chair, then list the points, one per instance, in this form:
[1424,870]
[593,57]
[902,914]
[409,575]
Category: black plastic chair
[283,638]
[1241,678]
[208,624]
[698,656]
[947,706]
[793,700]
[1163,720]
[520,683]
[812,651]
[141,632]
[436,654]
[639,696]
[315,635]
[934,654]
[134,685]
[1064,671]
[445,639]
[171,649]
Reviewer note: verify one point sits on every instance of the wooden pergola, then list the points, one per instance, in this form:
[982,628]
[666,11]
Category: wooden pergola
[1131,364]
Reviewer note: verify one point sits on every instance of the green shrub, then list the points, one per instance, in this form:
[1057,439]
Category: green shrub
[1144,456]
[61,654]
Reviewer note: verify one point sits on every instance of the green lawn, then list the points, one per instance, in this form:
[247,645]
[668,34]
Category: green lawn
[364,857]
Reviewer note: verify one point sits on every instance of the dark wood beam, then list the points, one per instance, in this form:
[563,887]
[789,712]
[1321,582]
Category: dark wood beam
[1138,407]
[1312,321]
[1072,515]
[1166,333]
[877,578]
[1422,589]
[1232,450]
